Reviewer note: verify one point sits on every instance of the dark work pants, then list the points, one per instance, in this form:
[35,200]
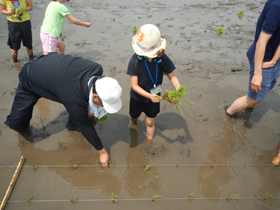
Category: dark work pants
[24,101]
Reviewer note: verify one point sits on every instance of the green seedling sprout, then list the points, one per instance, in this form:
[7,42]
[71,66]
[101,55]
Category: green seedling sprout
[147,168]
[73,200]
[74,167]
[110,163]
[219,31]
[234,196]
[134,29]
[156,196]
[191,195]
[29,198]
[34,167]
[102,119]
[113,198]
[240,14]
[174,97]
[267,195]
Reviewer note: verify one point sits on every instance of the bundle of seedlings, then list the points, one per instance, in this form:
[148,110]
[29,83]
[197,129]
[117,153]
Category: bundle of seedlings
[175,98]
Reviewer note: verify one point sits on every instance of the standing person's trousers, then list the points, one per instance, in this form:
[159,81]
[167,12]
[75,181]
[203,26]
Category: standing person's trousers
[24,101]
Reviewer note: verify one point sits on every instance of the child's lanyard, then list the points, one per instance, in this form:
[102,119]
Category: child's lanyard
[155,83]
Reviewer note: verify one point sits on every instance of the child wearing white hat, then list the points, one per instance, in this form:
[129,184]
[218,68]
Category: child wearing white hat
[146,69]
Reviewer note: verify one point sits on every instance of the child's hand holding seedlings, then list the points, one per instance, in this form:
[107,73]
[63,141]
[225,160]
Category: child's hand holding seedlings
[12,12]
[155,98]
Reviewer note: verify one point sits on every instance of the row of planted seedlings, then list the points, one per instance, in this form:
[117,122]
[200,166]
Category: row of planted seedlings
[114,197]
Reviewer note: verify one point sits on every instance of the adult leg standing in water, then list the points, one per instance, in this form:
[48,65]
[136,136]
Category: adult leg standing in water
[267,39]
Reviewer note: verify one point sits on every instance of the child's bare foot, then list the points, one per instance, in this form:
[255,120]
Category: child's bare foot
[276,160]
[266,65]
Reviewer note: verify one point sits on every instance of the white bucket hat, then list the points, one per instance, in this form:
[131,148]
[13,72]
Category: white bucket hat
[109,91]
[147,41]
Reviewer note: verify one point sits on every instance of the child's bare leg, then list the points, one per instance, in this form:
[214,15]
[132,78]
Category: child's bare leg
[30,53]
[61,47]
[14,55]
[150,122]
[276,160]
[133,120]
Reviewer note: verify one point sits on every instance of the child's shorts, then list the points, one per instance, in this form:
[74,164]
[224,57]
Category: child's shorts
[18,31]
[49,42]
[136,108]
[270,77]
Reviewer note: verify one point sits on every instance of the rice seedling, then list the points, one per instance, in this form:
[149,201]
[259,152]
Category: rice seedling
[73,200]
[234,196]
[267,195]
[219,31]
[147,168]
[134,29]
[240,14]
[102,119]
[29,198]
[113,198]
[191,195]
[74,167]
[156,196]
[174,97]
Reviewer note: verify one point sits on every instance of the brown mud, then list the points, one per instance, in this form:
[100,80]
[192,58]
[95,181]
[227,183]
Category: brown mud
[203,152]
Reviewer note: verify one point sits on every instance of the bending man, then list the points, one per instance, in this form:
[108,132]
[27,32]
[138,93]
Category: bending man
[75,82]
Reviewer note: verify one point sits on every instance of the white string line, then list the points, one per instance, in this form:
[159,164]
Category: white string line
[140,199]
[167,165]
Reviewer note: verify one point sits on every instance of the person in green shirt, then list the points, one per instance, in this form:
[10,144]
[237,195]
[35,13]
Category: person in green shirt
[19,25]
[52,26]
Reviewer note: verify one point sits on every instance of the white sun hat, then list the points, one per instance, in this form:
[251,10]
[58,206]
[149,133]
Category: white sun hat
[109,91]
[147,41]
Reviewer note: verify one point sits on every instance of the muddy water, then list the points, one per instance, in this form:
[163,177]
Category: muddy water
[215,156]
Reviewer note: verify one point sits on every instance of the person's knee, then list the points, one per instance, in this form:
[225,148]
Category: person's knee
[150,123]
[251,102]
[61,46]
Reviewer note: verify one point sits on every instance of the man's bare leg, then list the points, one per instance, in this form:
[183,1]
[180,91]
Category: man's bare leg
[242,103]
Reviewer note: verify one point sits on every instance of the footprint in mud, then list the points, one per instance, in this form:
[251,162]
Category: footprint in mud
[12,92]
[185,152]
[151,152]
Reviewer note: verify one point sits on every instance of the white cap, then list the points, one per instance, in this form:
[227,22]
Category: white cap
[109,91]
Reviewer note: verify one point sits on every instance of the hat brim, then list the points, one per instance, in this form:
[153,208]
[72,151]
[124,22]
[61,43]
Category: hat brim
[112,108]
[149,53]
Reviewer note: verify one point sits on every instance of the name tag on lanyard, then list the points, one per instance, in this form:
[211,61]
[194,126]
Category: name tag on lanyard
[156,90]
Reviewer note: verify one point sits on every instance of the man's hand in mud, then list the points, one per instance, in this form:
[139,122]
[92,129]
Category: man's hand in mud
[256,83]
[104,157]
[269,64]
[276,160]
[155,98]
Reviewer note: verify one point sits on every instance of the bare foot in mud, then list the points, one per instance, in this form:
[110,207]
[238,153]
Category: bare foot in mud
[276,160]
